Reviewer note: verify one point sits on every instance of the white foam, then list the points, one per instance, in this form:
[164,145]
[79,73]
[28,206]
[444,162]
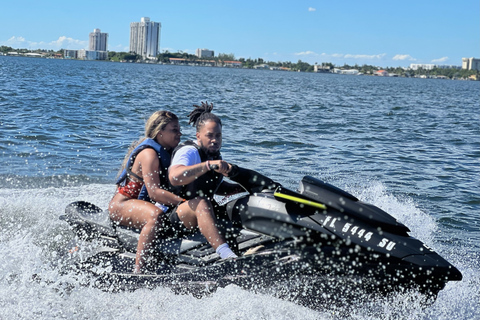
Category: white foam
[31,234]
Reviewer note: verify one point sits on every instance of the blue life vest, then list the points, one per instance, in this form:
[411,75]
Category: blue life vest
[164,157]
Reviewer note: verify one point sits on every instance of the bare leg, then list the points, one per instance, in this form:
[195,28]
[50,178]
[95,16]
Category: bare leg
[199,212]
[138,214]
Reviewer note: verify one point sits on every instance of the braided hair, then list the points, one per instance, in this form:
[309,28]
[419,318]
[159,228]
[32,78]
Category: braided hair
[201,114]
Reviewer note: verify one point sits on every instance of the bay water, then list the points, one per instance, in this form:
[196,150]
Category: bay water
[409,146]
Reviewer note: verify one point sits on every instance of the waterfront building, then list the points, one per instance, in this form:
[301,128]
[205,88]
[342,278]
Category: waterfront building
[70,54]
[321,68]
[92,55]
[471,64]
[145,38]
[98,41]
[262,66]
[446,66]
[204,53]
[232,64]
[34,55]
[354,72]
[381,73]
[416,66]
[85,54]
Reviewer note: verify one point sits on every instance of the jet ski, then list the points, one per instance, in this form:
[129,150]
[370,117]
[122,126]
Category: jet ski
[319,239]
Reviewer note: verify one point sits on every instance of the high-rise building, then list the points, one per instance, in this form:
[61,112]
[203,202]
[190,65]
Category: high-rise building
[470,64]
[98,41]
[204,53]
[145,38]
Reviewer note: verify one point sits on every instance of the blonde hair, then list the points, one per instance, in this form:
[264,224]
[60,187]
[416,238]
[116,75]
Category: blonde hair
[155,123]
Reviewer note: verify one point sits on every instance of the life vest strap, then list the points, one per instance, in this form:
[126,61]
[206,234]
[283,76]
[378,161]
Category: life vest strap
[130,173]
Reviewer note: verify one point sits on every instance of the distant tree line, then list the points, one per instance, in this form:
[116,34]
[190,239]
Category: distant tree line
[451,73]
[6,49]
[123,56]
[164,57]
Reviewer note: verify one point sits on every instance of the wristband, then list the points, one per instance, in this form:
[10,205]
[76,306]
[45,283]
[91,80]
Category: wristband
[207,164]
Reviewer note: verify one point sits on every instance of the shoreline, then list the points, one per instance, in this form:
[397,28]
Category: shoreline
[323,71]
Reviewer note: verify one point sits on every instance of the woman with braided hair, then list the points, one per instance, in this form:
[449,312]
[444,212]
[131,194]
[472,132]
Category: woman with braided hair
[196,172]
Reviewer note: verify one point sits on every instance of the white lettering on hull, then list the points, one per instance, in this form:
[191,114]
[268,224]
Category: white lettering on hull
[360,233]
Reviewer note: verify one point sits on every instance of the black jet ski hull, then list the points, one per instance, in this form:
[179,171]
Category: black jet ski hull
[321,235]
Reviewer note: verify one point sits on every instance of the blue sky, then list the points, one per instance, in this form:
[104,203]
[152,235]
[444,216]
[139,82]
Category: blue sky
[383,33]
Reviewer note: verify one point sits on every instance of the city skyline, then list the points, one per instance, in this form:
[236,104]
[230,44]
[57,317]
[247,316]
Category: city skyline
[375,32]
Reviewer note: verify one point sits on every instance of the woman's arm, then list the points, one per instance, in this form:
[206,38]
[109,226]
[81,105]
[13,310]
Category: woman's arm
[149,163]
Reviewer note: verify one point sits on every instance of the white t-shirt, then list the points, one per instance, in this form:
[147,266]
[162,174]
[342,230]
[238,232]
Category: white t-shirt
[186,156]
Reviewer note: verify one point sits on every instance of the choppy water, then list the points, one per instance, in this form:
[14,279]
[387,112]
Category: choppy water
[410,146]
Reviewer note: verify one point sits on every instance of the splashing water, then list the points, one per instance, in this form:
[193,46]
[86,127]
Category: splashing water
[33,284]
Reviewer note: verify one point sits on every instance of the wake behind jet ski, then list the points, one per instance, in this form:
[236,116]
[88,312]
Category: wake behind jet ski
[320,236]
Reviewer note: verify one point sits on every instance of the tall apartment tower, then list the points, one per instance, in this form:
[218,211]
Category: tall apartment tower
[98,41]
[145,38]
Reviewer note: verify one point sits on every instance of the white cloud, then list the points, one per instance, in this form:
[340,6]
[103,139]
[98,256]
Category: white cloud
[404,57]
[14,42]
[306,53]
[365,56]
[440,60]
[342,56]
[62,42]
[68,43]
[312,9]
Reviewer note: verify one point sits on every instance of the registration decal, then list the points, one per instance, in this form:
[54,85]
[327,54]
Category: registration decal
[359,232]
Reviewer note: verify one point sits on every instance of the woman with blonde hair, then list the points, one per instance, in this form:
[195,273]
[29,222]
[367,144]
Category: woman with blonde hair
[142,196]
